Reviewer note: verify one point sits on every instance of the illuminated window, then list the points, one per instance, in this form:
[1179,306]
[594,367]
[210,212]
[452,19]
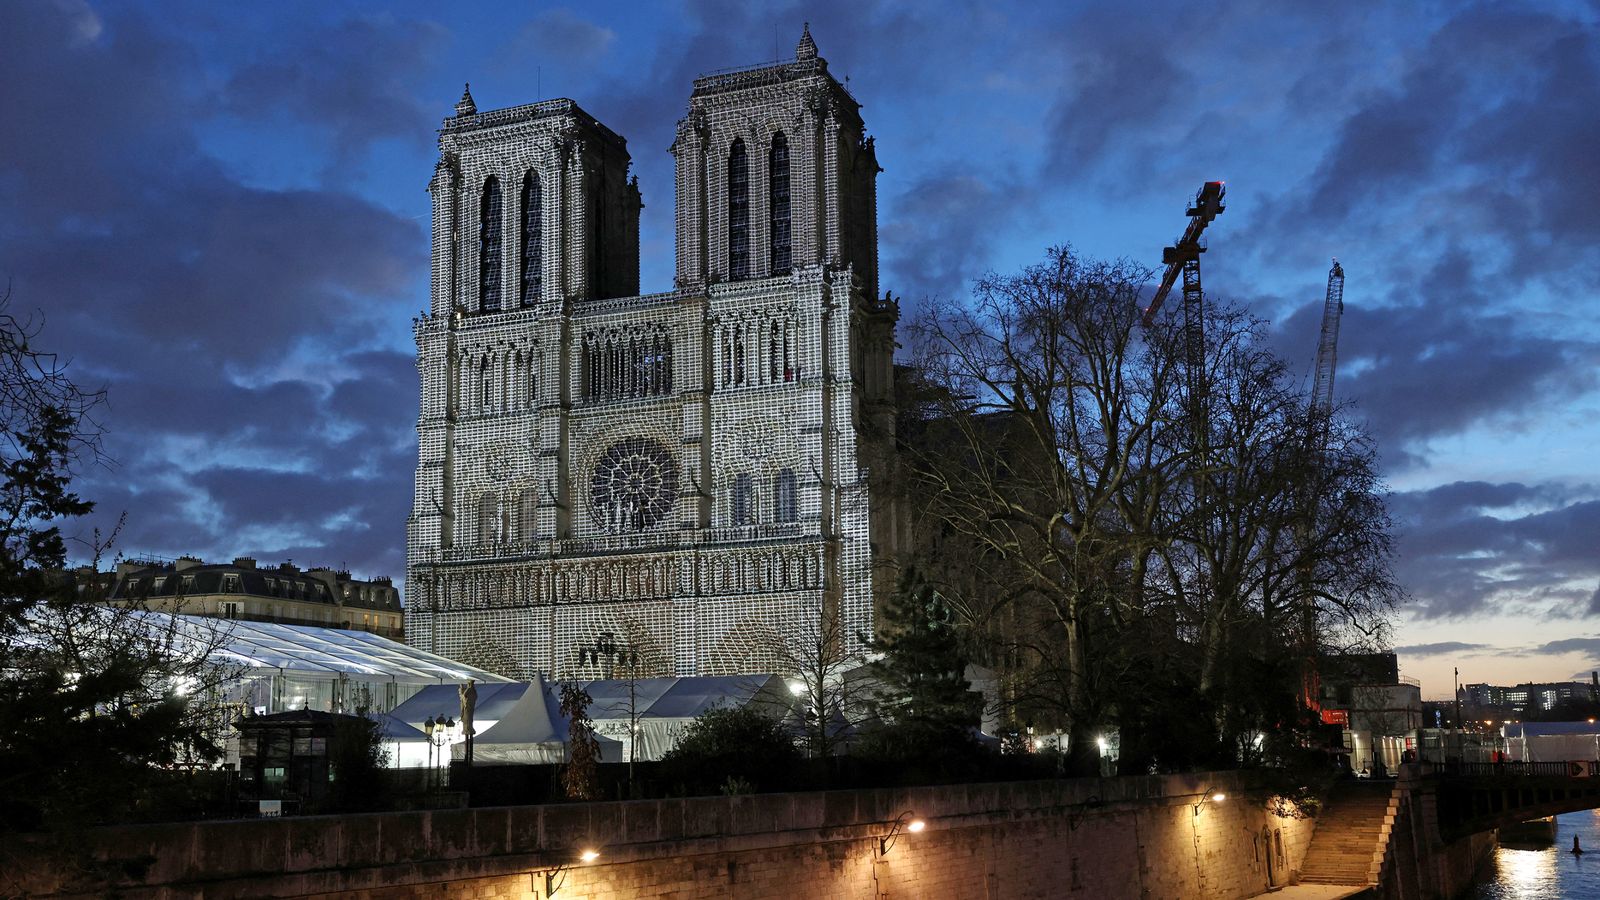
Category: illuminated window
[489,246]
[738,213]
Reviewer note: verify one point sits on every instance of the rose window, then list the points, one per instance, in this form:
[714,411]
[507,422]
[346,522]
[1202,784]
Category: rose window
[635,484]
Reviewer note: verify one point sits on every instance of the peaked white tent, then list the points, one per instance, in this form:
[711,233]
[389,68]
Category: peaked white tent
[532,730]
[663,707]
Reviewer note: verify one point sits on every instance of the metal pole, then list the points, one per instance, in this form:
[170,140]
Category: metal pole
[1460,747]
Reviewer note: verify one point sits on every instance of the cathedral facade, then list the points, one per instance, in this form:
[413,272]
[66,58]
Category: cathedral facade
[696,473]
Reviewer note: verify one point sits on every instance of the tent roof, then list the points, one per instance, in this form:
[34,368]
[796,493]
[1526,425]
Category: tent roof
[611,701]
[323,651]
[1546,729]
[494,701]
[535,719]
[394,729]
[680,698]
[531,720]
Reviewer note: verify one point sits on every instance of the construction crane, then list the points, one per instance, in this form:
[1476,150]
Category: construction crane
[1328,344]
[1183,258]
[1321,409]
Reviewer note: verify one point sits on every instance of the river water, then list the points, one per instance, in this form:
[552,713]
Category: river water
[1552,873]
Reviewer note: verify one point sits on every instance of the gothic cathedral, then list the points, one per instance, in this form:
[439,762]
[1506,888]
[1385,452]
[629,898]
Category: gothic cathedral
[697,474]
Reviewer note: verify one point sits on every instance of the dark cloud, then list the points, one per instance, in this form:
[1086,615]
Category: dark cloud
[1497,96]
[1469,547]
[252,407]
[1441,648]
[1418,372]
[356,78]
[1586,645]
[945,233]
[561,35]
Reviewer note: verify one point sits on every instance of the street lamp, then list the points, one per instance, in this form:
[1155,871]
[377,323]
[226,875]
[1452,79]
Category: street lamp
[555,878]
[438,732]
[907,823]
[1208,796]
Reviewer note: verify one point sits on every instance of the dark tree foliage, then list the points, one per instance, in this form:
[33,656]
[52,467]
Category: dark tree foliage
[356,760]
[924,701]
[732,746]
[580,777]
[94,701]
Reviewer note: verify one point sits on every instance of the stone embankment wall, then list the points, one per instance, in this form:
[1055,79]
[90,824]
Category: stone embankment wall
[1419,864]
[1101,839]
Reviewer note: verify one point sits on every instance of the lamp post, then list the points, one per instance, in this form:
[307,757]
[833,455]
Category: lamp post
[605,646]
[438,732]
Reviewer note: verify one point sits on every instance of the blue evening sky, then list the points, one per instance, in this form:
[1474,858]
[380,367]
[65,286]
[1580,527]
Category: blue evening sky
[221,211]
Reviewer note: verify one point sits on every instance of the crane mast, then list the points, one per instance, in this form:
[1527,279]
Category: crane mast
[1182,259]
[1328,344]
[1321,409]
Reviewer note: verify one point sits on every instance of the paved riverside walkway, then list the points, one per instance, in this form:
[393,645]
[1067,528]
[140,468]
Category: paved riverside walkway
[1316,892]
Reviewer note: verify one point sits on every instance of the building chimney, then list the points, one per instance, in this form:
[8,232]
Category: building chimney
[244,562]
[186,562]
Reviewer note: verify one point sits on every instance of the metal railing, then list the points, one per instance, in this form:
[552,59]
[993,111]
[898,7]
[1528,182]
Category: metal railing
[1511,769]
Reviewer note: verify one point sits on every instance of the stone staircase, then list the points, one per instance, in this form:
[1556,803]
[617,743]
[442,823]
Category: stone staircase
[1352,834]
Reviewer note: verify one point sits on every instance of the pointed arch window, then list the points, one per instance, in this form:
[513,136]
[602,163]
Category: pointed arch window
[783,502]
[778,203]
[489,246]
[486,385]
[527,509]
[738,212]
[488,520]
[743,509]
[532,239]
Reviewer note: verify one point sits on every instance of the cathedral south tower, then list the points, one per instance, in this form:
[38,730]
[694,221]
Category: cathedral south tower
[695,472]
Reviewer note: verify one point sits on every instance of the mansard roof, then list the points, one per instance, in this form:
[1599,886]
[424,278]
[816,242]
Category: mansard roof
[291,583]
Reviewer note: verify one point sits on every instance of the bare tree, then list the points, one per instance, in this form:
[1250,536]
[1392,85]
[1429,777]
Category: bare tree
[1129,552]
[819,661]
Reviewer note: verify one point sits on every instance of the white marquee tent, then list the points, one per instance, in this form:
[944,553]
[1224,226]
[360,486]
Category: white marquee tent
[663,707]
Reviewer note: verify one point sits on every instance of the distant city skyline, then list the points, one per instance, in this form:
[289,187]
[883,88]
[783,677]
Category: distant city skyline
[221,212]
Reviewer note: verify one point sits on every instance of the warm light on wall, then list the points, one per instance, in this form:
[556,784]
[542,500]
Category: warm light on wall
[905,822]
[1208,796]
[551,884]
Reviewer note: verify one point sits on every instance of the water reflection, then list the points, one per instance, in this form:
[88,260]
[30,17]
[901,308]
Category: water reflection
[1551,872]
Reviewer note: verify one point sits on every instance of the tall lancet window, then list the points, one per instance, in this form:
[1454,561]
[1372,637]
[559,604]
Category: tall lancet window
[532,240]
[778,188]
[489,246]
[738,213]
